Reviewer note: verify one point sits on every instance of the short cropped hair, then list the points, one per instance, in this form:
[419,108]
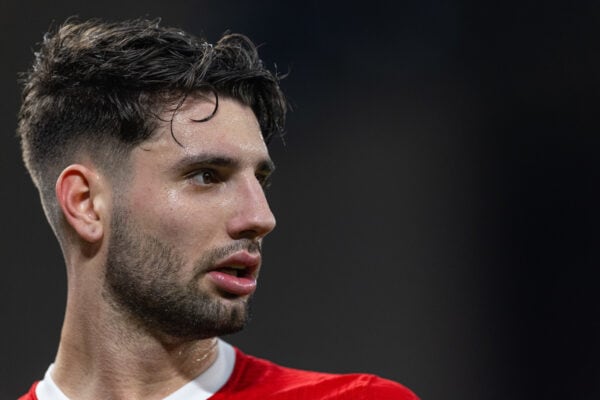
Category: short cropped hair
[98,88]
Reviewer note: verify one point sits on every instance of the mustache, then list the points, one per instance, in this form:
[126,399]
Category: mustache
[248,245]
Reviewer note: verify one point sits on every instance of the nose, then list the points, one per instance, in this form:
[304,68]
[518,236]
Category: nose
[252,217]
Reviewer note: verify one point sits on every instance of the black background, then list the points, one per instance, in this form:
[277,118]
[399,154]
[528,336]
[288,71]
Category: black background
[436,197]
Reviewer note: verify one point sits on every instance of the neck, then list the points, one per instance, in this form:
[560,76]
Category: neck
[102,356]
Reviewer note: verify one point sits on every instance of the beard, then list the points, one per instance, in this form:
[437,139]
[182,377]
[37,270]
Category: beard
[142,279]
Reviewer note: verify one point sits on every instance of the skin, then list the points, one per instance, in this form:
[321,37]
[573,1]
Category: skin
[181,197]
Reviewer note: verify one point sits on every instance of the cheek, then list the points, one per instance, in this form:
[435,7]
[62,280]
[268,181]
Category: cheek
[181,220]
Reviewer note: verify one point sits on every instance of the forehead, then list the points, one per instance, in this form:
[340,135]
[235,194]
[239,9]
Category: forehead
[233,130]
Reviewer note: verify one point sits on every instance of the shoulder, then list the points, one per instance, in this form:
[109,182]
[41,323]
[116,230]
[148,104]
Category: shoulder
[372,386]
[31,394]
[255,378]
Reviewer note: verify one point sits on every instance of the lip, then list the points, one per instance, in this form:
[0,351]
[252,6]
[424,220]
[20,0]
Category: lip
[244,283]
[251,262]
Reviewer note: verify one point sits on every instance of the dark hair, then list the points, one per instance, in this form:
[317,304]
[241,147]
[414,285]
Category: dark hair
[99,87]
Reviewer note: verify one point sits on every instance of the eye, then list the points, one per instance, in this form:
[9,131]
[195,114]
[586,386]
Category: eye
[205,177]
[264,180]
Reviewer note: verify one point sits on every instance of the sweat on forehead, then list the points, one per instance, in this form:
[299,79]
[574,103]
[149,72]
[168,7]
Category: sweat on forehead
[233,126]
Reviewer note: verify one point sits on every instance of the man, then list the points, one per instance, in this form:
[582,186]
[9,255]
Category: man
[148,148]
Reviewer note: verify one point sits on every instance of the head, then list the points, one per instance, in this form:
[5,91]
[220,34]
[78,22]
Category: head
[175,128]
[99,89]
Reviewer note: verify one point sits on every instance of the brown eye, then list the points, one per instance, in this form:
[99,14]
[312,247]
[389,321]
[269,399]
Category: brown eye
[205,177]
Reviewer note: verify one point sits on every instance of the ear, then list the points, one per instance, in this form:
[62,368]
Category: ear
[79,194]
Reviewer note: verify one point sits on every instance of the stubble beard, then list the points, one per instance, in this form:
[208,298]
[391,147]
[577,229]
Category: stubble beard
[141,281]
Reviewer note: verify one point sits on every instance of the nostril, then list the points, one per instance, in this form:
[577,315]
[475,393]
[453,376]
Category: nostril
[247,234]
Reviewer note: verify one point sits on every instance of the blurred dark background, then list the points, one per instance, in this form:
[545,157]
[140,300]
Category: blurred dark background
[436,195]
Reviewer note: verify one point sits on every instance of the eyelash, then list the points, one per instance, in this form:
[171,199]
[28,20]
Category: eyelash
[214,177]
[264,180]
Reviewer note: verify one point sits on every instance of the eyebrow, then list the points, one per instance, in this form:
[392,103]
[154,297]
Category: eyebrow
[264,166]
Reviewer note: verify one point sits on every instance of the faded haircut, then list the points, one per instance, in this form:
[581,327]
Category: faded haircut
[97,89]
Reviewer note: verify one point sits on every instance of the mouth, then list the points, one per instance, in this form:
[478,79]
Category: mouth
[236,275]
[239,271]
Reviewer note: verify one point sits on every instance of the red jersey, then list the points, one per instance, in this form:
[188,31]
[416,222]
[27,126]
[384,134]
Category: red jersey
[257,379]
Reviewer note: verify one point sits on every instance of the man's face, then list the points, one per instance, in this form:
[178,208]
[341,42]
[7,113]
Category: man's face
[184,250]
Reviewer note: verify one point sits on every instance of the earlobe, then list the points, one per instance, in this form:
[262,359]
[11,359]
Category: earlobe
[76,193]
